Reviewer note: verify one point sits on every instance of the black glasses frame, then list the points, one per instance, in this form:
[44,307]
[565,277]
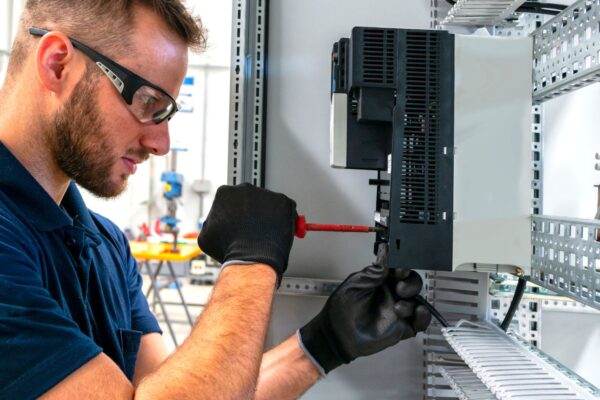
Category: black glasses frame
[126,82]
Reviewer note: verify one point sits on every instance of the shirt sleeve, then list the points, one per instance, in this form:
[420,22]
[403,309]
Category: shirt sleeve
[142,318]
[39,344]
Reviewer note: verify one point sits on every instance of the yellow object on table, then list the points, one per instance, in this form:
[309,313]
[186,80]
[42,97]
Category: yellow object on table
[162,253]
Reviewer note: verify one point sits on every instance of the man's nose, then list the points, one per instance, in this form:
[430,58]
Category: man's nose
[156,139]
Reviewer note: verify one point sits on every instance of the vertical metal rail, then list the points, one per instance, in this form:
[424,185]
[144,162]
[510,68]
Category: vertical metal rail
[438,10]
[537,163]
[247,128]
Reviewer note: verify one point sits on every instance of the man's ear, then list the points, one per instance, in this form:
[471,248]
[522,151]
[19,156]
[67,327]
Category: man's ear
[55,63]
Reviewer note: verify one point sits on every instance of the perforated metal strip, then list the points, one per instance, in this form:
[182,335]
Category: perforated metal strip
[481,12]
[307,286]
[236,112]
[567,51]
[566,257]
[248,92]
[537,163]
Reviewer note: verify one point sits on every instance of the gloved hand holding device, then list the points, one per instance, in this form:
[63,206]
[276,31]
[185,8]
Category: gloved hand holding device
[247,225]
[370,311]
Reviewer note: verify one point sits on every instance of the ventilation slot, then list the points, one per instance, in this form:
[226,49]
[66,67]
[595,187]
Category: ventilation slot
[378,61]
[419,171]
[354,107]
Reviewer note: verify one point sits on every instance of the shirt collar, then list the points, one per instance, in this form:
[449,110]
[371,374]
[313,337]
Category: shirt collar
[34,203]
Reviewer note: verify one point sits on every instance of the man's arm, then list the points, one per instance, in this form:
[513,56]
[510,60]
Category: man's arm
[219,360]
[285,372]
[152,353]
[250,231]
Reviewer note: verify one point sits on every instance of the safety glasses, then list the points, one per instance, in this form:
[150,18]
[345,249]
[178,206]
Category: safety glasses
[146,101]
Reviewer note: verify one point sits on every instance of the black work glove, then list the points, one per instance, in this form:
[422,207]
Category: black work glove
[370,311]
[250,225]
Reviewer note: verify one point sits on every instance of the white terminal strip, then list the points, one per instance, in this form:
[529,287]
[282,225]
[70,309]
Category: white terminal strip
[511,368]
[465,383]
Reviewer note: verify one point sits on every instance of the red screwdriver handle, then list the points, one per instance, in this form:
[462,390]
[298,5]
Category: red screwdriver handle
[302,227]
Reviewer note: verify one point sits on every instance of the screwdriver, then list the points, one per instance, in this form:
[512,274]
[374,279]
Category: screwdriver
[302,227]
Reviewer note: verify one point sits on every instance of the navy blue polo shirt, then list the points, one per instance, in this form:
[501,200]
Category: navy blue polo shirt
[69,287]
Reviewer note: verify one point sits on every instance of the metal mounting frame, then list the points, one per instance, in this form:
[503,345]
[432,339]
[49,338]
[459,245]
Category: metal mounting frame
[566,58]
[437,8]
[247,127]
[527,321]
[307,286]
[481,13]
[567,51]
[537,163]
[566,258]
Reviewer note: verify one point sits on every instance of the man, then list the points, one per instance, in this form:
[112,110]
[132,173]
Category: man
[88,95]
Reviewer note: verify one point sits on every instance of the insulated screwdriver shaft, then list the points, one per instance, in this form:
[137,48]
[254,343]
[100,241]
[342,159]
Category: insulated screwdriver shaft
[302,227]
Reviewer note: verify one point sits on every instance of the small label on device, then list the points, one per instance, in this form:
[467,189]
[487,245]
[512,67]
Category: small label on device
[389,167]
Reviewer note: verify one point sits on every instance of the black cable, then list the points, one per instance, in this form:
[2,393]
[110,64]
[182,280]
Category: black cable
[537,11]
[541,8]
[514,304]
[544,5]
[436,314]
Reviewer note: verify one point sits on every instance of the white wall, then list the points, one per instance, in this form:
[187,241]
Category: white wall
[575,348]
[571,141]
[204,132]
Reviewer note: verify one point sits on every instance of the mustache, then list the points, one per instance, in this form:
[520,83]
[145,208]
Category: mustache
[139,154]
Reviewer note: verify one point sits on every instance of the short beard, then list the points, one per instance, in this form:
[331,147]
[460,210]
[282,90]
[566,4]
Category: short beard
[80,147]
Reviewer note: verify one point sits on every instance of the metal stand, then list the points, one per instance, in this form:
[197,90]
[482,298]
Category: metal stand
[154,291]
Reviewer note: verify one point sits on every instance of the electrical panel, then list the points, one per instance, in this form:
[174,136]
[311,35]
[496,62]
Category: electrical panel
[445,120]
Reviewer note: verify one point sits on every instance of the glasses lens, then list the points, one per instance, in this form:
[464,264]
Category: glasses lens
[151,106]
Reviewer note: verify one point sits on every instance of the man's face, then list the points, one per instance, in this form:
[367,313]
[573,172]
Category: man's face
[95,139]
[82,146]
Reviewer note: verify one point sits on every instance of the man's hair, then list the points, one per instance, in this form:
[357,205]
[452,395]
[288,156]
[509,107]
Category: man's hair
[102,24]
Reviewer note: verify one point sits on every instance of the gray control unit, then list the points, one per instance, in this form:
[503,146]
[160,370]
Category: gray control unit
[445,120]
